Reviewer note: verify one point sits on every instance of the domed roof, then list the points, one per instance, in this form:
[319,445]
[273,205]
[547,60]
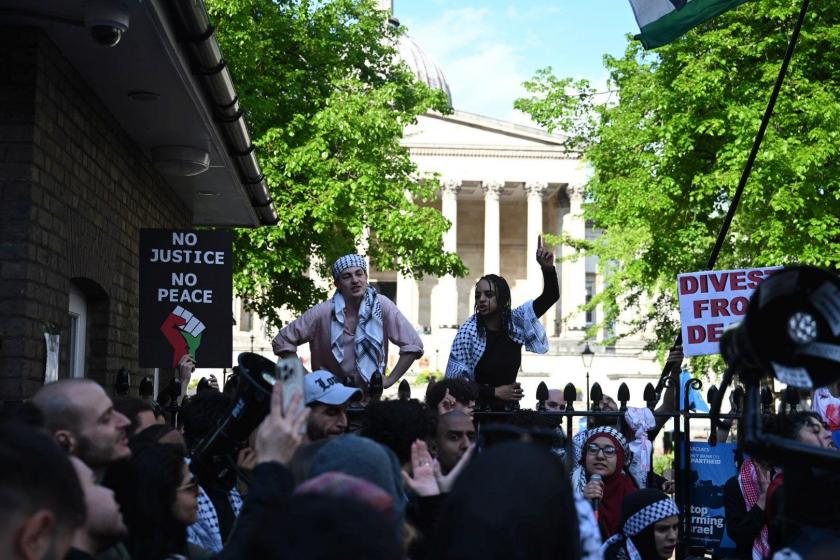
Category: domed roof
[426,69]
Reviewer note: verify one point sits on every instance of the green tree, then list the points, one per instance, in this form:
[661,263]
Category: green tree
[667,155]
[327,104]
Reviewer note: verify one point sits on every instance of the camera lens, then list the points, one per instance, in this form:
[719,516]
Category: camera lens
[106,35]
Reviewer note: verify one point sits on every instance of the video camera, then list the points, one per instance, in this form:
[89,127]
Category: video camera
[791,331]
[251,403]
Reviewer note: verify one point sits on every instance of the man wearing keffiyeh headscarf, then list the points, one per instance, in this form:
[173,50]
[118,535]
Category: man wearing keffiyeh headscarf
[348,334]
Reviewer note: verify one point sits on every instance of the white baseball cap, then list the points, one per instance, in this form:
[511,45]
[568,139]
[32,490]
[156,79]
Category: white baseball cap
[324,387]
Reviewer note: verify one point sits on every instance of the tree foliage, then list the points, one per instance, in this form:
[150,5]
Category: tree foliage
[327,104]
[667,156]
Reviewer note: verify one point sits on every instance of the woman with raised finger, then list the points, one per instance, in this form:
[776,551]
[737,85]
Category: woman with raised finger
[488,347]
[601,479]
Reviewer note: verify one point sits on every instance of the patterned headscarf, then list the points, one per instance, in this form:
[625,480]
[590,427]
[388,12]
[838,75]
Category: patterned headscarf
[346,262]
[641,510]
[584,437]
[616,486]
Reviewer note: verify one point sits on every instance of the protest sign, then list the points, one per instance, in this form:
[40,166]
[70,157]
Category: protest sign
[186,294]
[711,467]
[712,300]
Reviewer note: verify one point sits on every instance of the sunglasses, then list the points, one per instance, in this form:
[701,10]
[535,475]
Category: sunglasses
[594,449]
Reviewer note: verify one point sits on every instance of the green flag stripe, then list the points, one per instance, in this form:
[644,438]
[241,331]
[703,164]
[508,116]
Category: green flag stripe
[670,26]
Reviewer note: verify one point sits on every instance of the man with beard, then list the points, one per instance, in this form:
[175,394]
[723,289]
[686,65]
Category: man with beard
[41,503]
[327,399]
[453,437]
[104,525]
[81,418]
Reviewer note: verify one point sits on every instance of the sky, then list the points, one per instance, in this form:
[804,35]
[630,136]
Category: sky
[487,48]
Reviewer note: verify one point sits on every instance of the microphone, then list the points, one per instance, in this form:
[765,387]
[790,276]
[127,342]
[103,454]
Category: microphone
[595,502]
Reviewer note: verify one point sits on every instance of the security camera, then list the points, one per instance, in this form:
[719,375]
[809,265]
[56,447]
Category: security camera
[107,21]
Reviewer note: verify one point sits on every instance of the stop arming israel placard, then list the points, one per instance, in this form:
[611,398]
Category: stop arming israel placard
[186,293]
[712,300]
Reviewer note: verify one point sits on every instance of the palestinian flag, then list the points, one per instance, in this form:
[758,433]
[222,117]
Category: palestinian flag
[662,21]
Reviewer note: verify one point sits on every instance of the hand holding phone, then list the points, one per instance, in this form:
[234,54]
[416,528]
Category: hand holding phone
[290,372]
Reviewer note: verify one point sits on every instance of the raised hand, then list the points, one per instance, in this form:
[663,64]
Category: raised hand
[545,258]
[447,404]
[186,367]
[279,434]
[246,459]
[675,358]
[422,479]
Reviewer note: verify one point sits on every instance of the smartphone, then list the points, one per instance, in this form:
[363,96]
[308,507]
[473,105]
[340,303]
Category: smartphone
[290,372]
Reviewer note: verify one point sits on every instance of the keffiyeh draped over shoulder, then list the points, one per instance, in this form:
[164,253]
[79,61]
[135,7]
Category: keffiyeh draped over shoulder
[369,342]
[469,344]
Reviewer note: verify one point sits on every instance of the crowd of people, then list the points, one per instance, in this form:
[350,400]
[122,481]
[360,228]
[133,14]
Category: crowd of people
[83,475]
[87,477]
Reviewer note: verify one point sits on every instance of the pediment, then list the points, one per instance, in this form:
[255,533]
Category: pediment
[466,129]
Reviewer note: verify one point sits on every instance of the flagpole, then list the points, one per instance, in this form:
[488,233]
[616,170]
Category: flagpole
[759,137]
[727,222]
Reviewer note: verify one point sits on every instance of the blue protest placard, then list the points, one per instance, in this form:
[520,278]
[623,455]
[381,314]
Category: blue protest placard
[711,467]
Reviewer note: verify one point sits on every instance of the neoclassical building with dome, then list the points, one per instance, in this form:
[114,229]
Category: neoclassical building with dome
[501,186]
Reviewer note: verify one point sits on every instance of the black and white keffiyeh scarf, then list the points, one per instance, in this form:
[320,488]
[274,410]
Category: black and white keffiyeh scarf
[369,338]
[469,344]
[639,521]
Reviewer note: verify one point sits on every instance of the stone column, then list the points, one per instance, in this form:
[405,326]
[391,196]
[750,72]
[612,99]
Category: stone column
[573,272]
[492,192]
[536,191]
[445,305]
[449,208]
[408,298]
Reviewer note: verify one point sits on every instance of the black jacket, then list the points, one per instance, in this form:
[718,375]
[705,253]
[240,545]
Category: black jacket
[742,525]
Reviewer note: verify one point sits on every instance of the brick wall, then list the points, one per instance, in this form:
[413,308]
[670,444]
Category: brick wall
[74,192]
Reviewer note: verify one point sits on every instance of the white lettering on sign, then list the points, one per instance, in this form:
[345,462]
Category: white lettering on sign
[182,238]
[175,295]
[180,256]
[183,286]
[712,300]
[181,279]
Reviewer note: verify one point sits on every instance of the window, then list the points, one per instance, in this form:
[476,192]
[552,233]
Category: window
[387,289]
[590,293]
[246,317]
[78,330]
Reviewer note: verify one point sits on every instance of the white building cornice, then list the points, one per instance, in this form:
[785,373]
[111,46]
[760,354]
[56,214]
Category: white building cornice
[469,151]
